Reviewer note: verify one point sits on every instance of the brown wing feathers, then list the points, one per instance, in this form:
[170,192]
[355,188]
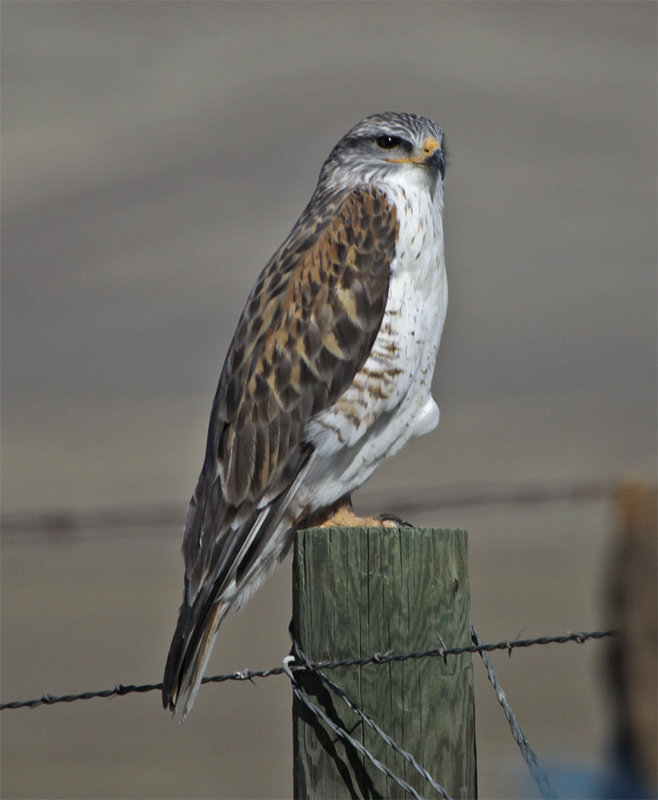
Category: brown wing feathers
[308,327]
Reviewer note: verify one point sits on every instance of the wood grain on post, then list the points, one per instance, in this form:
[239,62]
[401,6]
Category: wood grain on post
[360,591]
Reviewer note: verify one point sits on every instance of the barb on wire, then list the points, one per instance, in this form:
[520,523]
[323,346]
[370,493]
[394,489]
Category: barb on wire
[120,690]
[442,652]
[49,700]
[529,755]
[303,660]
[342,734]
[377,658]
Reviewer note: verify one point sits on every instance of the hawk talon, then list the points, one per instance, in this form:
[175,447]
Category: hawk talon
[401,523]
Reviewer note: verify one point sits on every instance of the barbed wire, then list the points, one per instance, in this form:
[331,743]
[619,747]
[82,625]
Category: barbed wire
[158,516]
[301,658]
[529,756]
[343,734]
[303,663]
[121,690]
[64,522]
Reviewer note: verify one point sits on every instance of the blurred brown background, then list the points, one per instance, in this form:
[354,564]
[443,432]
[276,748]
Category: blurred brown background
[154,155]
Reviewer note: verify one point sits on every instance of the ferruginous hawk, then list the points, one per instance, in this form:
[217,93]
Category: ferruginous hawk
[328,374]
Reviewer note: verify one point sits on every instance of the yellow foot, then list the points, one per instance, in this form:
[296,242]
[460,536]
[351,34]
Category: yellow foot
[343,516]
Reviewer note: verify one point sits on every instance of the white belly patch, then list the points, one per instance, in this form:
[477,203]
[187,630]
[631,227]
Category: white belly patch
[389,401]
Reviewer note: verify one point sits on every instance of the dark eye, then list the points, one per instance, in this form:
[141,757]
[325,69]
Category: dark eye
[388,142]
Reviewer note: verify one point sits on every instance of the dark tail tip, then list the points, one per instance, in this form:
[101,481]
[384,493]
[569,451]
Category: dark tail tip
[175,666]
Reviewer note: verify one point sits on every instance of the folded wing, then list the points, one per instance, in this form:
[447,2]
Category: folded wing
[307,328]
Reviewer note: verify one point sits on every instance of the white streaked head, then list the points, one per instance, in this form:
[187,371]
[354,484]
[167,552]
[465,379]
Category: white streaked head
[385,148]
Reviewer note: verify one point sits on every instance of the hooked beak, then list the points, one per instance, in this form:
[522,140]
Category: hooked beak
[437,161]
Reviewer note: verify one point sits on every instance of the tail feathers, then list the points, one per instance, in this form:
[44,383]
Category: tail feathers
[188,656]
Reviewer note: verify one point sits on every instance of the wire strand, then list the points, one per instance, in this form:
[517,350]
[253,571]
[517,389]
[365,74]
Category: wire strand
[64,522]
[121,690]
[529,755]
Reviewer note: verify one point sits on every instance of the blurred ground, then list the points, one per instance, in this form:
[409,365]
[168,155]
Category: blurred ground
[154,155]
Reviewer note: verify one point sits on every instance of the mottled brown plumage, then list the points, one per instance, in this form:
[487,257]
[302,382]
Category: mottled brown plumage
[307,329]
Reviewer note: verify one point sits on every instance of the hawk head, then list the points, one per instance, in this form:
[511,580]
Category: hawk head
[386,147]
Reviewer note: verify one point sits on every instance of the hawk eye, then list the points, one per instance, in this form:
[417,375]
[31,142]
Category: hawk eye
[388,142]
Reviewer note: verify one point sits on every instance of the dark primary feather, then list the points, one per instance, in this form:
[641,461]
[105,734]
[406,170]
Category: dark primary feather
[307,328]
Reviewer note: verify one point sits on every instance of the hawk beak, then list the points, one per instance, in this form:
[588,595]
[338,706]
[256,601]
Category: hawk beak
[433,156]
[437,160]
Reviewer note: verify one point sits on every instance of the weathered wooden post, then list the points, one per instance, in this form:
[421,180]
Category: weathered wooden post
[360,591]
